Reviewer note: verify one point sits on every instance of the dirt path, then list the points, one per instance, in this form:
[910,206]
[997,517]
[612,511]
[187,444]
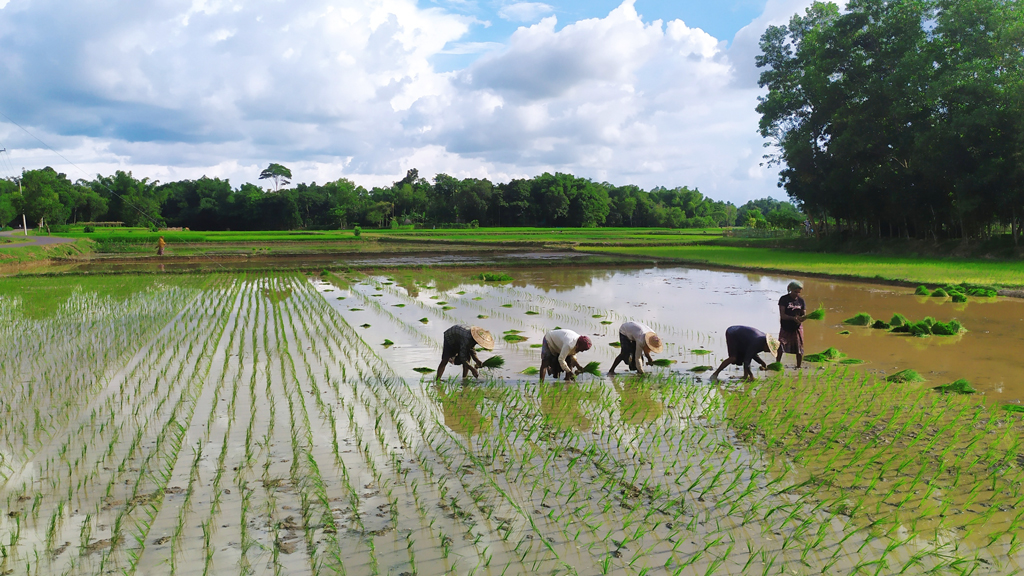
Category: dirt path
[22,241]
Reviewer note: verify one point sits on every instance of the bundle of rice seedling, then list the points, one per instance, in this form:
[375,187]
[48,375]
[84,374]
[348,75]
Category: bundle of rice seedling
[424,320]
[364,325]
[494,362]
[774,367]
[951,328]
[920,329]
[530,371]
[982,291]
[701,368]
[898,320]
[482,316]
[663,362]
[844,332]
[939,293]
[851,361]
[903,376]
[958,298]
[593,368]
[960,386]
[700,351]
[817,314]
[861,319]
[881,325]
[514,338]
[922,291]
[355,309]
[606,322]
[598,316]
[423,370]
[1013,408]
[828,355]
[532,313]
[536,345]
[388,343]
[615,344]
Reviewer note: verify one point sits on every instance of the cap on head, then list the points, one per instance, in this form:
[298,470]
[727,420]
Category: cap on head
[773,344]
[653,342]
[796,285]
[482,337]
[583,344]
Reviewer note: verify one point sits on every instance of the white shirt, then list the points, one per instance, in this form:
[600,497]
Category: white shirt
[563,343]
[635,331]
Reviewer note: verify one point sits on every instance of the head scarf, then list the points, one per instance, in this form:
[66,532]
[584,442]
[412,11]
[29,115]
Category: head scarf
[583,344]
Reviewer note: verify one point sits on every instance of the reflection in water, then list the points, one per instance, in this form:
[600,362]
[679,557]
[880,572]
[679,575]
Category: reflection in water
[560,404]
[460,404]
[636,401]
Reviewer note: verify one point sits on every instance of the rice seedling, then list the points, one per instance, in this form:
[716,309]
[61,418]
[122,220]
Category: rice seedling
[514,338]
[939,293]
[387,343]
[775,367]
[816,314]
[495,277]
[960,386]
[530,371]
[860,319]
[701,369]
[904,376]
[592,368]
[494,362]
[664,362]
[700,351]
[828,355]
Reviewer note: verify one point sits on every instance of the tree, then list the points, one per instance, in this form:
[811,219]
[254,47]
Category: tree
[280,174]
[42,191]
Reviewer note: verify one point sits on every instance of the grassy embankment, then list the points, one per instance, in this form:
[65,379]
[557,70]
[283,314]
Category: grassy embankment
[14,253]
[910,270]
[707,247]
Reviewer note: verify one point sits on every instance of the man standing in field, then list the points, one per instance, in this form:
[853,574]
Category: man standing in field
[744,344]
[558,353]
[792,312]
[459,348]
[636,341]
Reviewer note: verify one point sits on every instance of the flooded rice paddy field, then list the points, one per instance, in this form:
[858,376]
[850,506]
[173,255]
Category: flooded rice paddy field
[257,424]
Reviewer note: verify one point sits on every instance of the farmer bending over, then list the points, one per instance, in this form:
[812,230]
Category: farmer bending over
[636,340]
[558,353]
[459,348]
[745,343]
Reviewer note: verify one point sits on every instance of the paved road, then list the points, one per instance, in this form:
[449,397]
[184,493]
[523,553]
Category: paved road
[19,236]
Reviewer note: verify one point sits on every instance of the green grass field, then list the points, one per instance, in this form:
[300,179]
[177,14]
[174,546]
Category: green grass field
[906,269]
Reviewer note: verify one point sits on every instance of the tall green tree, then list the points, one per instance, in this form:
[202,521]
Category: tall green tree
[280,174]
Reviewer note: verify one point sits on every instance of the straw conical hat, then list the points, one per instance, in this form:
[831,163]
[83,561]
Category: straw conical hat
[653,342]
[773,345]
[482,337]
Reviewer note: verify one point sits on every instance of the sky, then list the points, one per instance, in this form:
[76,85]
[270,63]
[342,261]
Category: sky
[644,92]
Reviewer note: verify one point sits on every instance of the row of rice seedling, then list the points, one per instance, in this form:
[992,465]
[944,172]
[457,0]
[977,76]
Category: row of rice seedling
[254,427]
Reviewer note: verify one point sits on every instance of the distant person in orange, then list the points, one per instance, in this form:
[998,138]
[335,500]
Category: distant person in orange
[160,246]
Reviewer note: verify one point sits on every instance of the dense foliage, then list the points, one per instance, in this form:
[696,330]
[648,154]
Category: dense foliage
[212,204]
[900,117]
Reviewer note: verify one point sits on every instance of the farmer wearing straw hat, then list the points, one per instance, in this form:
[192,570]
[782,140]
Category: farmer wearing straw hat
[636,340]
[745,343]
[459,346]
[792,313]
[558,353]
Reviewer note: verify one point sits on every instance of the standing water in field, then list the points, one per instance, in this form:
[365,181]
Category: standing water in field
[690,308]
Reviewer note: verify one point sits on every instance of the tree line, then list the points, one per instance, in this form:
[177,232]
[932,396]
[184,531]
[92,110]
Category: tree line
[557,200]
[900,118]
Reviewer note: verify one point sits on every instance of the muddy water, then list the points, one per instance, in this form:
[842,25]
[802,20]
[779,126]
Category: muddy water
[691,308]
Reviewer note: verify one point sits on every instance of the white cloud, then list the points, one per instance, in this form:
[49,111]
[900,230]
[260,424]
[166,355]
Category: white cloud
[524,11]
[183,88]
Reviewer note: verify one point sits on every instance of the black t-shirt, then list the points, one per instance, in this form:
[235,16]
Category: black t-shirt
[793,306]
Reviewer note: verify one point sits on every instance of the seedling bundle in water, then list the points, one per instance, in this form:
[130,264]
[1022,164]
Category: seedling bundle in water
[495,277]
[905,376]
[828,355]
[861,319]
[960,386]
